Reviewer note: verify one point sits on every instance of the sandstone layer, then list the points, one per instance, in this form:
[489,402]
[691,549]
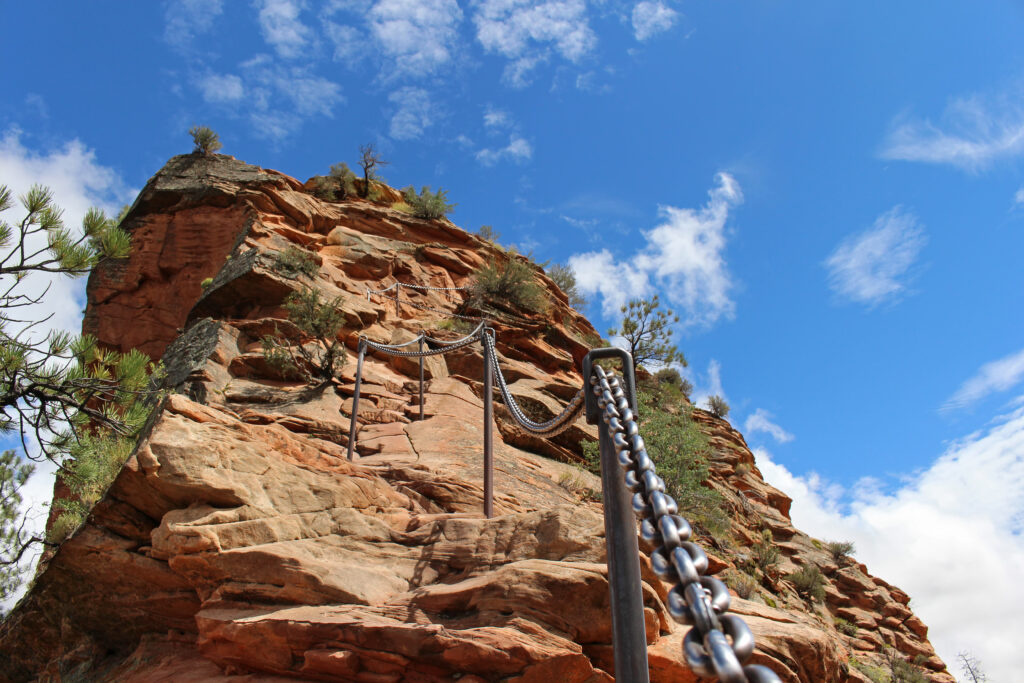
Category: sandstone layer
[239,543]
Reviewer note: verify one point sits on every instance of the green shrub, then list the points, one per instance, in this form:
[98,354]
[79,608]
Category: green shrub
[840,550]
[765,553]
[205,140]
[744,584]
[488,233]
[428,204]
[511,281]
[565,278]
[293,262]
[809,582]
[845,627]
[874,673]
[717,406]
[205,284]
[345,180]
[318,322]
[900,670]
[680,451]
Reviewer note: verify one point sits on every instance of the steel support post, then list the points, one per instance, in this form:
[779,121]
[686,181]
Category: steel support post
[629,638]
[421,377]
[488,430]
[355,400]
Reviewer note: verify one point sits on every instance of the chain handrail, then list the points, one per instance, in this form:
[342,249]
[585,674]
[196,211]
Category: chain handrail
[695,599]
[552,427]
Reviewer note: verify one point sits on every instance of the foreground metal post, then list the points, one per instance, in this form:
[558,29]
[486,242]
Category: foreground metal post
[421,377]
[629,638]
[488,430]
[355,399]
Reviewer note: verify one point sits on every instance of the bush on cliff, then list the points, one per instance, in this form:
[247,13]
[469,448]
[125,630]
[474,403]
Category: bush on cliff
[314,353]
[205,140]
[718,406]
[565,277]
[427,204]
[809,582]
[511,281]
[294,261]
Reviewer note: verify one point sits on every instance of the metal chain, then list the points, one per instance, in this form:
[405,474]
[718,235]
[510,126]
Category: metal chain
[552,427]
[695,599]
[393,350]
[427,288]
[424,307]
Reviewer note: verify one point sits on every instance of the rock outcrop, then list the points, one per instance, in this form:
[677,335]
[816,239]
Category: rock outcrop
[239,543]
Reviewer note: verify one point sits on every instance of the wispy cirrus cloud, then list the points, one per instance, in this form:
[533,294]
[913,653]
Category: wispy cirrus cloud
[874,266]
[415,112]
[652,18]
[999,375]
[973,133]
[970,493]
[1018,197]
[282,29]
[684,256]
[518,150]
[761,421]
[221,88]
[186,19]
[417,37]
[528,33]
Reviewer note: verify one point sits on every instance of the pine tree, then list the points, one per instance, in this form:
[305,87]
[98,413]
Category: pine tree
[73,403]
[648,333]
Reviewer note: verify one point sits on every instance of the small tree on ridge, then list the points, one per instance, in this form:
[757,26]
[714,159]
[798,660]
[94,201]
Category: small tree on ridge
[648,333]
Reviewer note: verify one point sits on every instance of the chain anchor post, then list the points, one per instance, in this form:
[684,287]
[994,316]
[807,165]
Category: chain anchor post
[629,637]
[355,398]
[488,426]
[421,376]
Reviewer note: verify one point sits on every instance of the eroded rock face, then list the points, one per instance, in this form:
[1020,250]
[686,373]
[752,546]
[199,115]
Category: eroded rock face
[239,543]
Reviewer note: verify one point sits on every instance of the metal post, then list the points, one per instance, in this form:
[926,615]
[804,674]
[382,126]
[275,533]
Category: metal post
[398,301]
[421,377]
[629,638]
[355,399]
[488,430]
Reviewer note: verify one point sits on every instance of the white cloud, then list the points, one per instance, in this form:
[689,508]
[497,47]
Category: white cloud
[999,375]
[78,182]
[517,150]
[281,27]
[1018,196]
[951,536]
[761,421]
[652,18]
[217,88]
[496,118]
[418,36]
[704,386]
[279,98]
[186,19]
[349,44]
[873,266]
[973,134]
[525,31]
[414,115]
[684,256]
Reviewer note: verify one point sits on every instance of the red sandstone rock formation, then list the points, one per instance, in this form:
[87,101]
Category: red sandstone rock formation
[238,543]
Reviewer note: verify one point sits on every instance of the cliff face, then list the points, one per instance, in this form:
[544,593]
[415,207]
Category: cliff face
[239,543]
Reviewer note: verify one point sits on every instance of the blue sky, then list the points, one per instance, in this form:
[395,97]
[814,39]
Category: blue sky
[831,196]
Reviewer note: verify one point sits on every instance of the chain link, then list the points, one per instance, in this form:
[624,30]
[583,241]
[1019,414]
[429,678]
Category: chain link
[445,346]
[695,599]
[552,427]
